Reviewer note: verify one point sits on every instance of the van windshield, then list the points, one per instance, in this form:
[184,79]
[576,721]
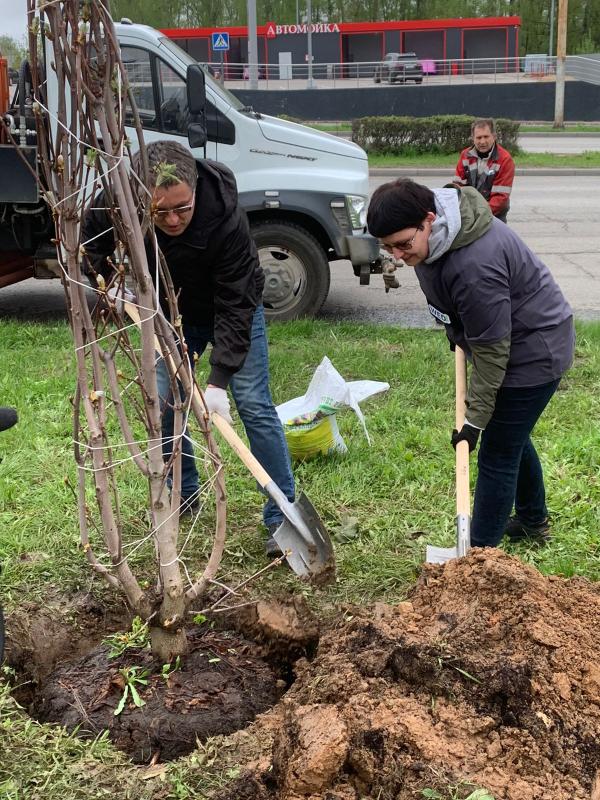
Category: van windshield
[215,86]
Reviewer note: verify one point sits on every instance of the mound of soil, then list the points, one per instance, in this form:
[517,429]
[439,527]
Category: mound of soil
[220,686]
[489,676]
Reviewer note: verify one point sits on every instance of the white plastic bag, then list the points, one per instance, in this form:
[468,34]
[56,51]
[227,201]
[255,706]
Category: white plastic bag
[309,421]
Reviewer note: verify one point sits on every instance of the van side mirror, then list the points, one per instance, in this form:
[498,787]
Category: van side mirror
[196,100]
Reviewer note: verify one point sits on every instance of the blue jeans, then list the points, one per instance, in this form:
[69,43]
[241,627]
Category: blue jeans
[510,472]
[252,396]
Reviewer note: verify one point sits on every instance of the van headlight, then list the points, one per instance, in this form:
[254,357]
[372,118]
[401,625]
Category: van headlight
[357,210]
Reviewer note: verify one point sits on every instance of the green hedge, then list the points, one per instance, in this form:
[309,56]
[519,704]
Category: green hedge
[416,135]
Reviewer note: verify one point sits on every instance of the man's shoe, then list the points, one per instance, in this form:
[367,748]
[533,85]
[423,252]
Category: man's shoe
[272,549]
[519,531]
[189,506]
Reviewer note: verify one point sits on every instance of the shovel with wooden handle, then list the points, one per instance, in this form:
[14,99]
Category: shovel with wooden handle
[301,536]
[439,555]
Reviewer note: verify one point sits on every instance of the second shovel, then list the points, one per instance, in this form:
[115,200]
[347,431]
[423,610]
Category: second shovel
[439,555]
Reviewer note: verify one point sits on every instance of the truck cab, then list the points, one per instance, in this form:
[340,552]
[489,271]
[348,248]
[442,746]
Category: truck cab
[305,192]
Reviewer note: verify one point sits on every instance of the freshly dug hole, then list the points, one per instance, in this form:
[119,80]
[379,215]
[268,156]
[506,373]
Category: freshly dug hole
[489,676]
[40,636]
[222,683]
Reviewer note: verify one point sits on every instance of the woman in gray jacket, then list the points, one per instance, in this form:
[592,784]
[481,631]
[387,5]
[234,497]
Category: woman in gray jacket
[499,303]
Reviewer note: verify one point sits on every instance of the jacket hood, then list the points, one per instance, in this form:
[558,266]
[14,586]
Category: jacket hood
[475,217]
[461,217]
[446,224]
[216,199]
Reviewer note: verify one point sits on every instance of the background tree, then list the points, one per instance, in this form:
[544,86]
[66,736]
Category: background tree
[12,50]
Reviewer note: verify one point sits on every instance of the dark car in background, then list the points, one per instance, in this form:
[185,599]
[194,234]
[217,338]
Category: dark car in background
[399,68]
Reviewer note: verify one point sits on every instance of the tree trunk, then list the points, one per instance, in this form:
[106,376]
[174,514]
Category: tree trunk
[167,644]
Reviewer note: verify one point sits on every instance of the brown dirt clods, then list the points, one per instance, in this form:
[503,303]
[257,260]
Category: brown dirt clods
[489,676]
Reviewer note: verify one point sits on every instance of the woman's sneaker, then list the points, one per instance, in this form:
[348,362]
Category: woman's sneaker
[519,531]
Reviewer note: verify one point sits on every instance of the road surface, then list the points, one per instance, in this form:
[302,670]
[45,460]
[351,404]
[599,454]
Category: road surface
[556,215]
[560,143]
[547,212]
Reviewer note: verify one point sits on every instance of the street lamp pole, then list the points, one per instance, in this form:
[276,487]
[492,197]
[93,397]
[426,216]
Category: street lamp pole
[310,84]
[561,57]
[551,40]
[252,46]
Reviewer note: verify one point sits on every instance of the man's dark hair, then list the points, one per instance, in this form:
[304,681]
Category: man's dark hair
[483,122]
[397,205]
[170,163]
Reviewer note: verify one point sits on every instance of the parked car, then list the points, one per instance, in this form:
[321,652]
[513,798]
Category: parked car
[399,68]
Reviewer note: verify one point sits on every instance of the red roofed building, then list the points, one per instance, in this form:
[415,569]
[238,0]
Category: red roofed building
[433,41]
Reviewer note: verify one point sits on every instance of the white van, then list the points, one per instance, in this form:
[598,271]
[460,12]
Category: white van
[305,192]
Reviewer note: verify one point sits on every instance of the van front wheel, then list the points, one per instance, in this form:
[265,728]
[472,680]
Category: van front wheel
[296,270]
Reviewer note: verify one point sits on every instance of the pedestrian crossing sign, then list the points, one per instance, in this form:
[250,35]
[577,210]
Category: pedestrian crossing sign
[220,41]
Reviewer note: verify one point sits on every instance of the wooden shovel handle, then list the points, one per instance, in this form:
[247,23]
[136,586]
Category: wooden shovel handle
[463,500]
[224,428]
[234,441]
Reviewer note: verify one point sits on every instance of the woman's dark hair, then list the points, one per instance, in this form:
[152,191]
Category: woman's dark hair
[397,205]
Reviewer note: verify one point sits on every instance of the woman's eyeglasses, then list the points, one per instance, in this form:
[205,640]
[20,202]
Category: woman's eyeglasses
[402,246]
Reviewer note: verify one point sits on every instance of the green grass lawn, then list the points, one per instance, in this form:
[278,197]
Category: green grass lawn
[400,489]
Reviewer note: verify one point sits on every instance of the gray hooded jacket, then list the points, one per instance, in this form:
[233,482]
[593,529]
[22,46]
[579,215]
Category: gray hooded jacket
[497,300]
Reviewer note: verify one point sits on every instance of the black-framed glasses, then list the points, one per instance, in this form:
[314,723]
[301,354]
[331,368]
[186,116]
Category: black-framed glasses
[181,211]
[402,246]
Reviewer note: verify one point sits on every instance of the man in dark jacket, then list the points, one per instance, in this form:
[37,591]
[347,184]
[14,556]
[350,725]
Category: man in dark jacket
[499,303]
[488,167]
[205,239]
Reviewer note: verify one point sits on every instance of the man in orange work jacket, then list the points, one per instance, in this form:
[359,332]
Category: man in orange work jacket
[487,167]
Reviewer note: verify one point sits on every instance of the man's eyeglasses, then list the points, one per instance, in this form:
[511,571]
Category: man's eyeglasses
[181,211]
[402,246]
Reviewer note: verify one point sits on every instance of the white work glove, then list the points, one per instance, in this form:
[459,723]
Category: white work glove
[389,266]
[119,295]
[216,399]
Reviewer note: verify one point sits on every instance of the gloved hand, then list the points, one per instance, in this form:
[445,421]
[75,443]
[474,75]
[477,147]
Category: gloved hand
[119,295]
[217,400]
[388,269]
[468,433]
[389,279]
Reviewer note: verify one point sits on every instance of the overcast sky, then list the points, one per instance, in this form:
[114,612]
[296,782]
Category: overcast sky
[13,18]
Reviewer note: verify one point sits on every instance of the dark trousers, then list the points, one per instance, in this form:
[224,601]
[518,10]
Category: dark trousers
[510,472]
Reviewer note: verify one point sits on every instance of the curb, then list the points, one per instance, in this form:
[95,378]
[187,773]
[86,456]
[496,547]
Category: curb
[557,172]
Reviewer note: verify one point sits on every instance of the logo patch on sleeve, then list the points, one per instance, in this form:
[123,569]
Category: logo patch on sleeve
[439,315]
